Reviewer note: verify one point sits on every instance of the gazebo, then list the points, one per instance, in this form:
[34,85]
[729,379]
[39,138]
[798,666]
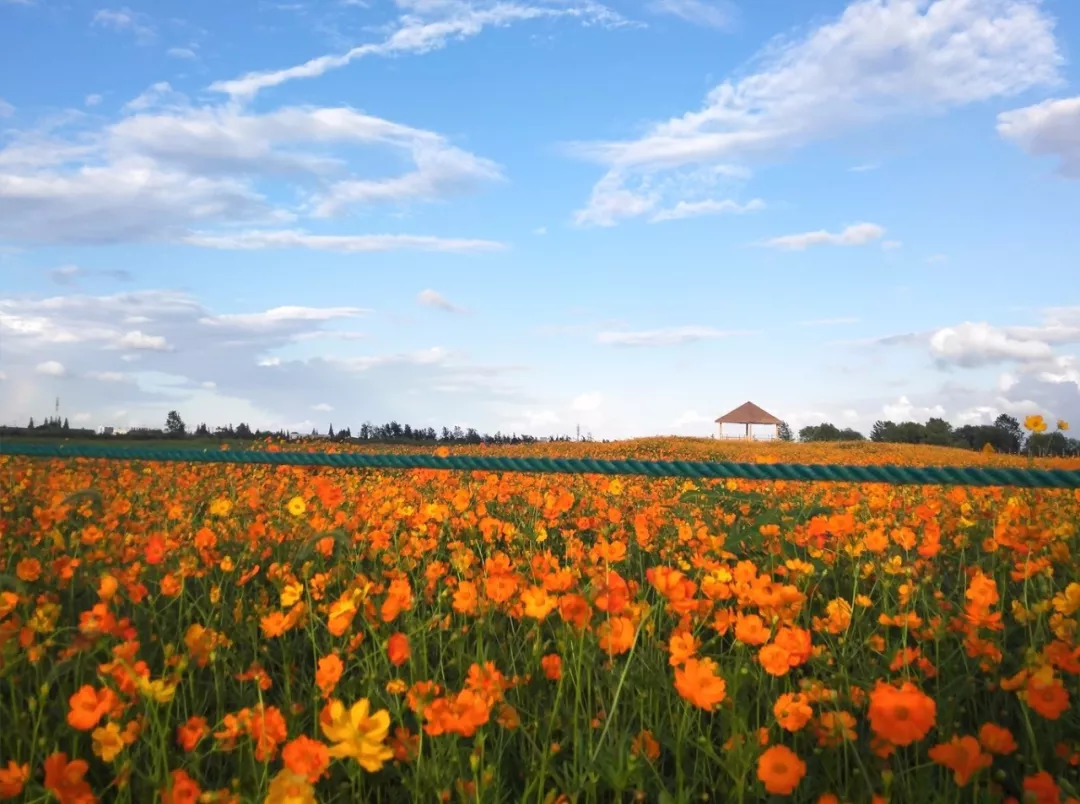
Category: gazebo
[748,414]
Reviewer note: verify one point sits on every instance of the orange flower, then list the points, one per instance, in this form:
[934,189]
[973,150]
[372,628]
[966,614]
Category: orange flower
[963,756]
[13,778]
[306,757]
[267,728]
[465,598]
[1048,699]
[644,744]
[28,570]
[698,683]
[88,706]
[182,789]
[774,659]
[792,711]
[575,610]
[616,635]
[750,628]
[835,727]
[1041,788]
[780,770]
[538,603]
[155,550]
[997,739]
[397,649]
[189,734]
[328,673]
[902,714]
[681,646]
[65,779]
[552,665]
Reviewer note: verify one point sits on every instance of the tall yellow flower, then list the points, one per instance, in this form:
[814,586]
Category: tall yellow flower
[1062,425]
[1035,423]
[296,506]
[357,732]
[108,742]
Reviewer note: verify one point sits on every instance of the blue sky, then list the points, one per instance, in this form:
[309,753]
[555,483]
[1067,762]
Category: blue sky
[532,215]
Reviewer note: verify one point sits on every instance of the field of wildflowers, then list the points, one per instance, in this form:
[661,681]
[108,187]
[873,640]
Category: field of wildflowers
[219,633]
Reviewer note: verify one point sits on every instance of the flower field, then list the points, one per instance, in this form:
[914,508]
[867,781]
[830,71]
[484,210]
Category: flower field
[213,633]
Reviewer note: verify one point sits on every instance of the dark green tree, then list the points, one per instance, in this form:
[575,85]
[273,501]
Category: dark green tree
[174,425]
[783,432]
[1011,428]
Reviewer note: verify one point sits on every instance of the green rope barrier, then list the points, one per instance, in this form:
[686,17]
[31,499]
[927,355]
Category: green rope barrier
[896,475]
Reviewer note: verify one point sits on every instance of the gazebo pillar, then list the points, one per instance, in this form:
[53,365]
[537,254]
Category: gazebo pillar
[776,431]
[748,425]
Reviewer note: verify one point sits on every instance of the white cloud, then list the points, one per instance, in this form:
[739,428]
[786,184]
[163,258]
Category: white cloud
[865,167]
[126,20]
[540,230]
[1047,129]
[432,298]
[904,410]
[168,170]
[209,384]
[50,368]
[587,402]
[93,99]
[182,53]
[890,245]
[140,340]
[422,28]
[273,318]
[269,362]
[257,239]
[669,336]
[322,407]
[106,376]
[710,13]
[857,234]
[694,209]
[974,344]
[81,418]
[879,59]
[691,417]
[6,109]
[1006,381]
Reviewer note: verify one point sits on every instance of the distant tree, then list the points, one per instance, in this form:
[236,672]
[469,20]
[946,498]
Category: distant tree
[174,425]
[202,431]
[783,432]
[31,425]
[938,432]
[330,432]
[829,432]
[883,431]
[66,427]
[1011,428]
[243,431]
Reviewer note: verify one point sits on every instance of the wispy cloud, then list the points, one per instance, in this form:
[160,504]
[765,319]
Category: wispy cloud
[829,322]
[710,13]
[434,299]
[425,26]
[877,60]
[1047,129]
[255,240]
[125,20]
[695,209]
[857,234]
[669,336]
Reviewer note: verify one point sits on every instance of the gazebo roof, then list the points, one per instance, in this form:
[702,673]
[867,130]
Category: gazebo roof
[748,413]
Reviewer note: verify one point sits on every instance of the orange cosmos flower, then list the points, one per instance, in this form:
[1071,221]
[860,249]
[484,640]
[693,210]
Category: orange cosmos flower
[465,598]
[792,711]
[750,629]
[902,714]
[834,727]
[644,744]
[774,659]
[1049,700]
[13,778]
[538,603]
[155,550]
[306,757]
[682,646]
[88,706]
[28,570]
[182,789]
[575,609]
[698,683]
[189,734]
[1041,788]
[65,779]
[267,728]
[780,770]
[997,739]
[328,673]
[552,665]
[397,649]
[963,756]
[616,635]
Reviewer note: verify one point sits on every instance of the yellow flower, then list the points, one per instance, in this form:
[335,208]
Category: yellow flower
[108,741]
[289,788]
[220,507]
[357,733]
[291,593]
[396,686]
[1035,423]
[159,689]
[1062,425]
[615,487]
[296,506]
[226,564]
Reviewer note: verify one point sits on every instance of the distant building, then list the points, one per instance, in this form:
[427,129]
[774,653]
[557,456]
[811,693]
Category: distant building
[106,431]
[749,415]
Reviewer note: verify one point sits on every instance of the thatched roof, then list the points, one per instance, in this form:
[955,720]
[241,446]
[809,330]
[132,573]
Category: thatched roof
[748,413]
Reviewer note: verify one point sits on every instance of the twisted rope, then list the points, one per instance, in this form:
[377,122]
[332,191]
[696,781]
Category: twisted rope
[896,475]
